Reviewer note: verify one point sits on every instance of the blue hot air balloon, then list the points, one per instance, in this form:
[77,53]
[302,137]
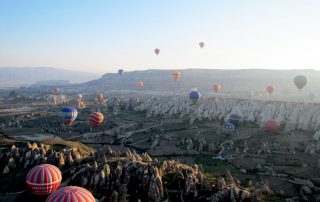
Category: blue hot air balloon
[228,128]
[69,115]
[235,119]
[120,72]
[194,95]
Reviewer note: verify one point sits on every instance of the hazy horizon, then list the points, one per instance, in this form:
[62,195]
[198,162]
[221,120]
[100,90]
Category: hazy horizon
[104,36]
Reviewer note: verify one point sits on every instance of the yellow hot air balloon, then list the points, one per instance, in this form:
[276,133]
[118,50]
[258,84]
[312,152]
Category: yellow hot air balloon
[217,88]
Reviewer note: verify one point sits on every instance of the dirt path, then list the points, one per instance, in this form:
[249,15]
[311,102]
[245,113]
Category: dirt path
[222,146]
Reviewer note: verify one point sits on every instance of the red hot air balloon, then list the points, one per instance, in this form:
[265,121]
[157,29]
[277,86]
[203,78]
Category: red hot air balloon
[56,90]
[96,118]
[44,179]
[201,44]
[176,75]
[272,126]
[217,88]
[140,84]
[71,193]
[270,89]
[157,51]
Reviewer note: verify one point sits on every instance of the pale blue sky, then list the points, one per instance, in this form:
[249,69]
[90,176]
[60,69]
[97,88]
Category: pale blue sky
[103,36]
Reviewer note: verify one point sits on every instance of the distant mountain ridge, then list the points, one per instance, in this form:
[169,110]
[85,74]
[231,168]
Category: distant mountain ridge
[204,79]
[25,76]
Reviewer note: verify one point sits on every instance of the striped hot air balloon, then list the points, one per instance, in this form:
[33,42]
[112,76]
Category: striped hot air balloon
[44,179]
[176,75]
[71,193]
[300,81]
[96,118]
[69,115]
[194,95]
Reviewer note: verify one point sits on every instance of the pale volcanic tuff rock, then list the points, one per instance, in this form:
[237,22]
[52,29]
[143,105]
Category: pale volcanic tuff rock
[294,116]
[115,176]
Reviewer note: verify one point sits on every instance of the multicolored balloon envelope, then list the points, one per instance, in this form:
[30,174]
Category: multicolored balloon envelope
[71,193]
[272,126]
[194,95]
[44,179]
[69,115]
[96,118]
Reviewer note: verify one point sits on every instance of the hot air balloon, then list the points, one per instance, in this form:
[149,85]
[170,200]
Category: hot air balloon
[69,115]
[120,72]
[228,128]
[201,44]
[44,179]
[100,98]
[71,193]
[235,119]
[140,84]
[272,126]
[300,81]
[157,51]
[194,95]
[270,89]
[56,90]
[96,118]
[217,88]
[176,75]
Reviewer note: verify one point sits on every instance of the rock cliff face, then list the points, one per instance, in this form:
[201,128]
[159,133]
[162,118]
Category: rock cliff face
[291,115]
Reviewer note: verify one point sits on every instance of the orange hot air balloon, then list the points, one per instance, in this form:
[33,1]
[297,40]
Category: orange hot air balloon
[272,126]
[140,84]
[157,51]
[176,75]
[201,44]
[96,118]
[217,88]
[270,89]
